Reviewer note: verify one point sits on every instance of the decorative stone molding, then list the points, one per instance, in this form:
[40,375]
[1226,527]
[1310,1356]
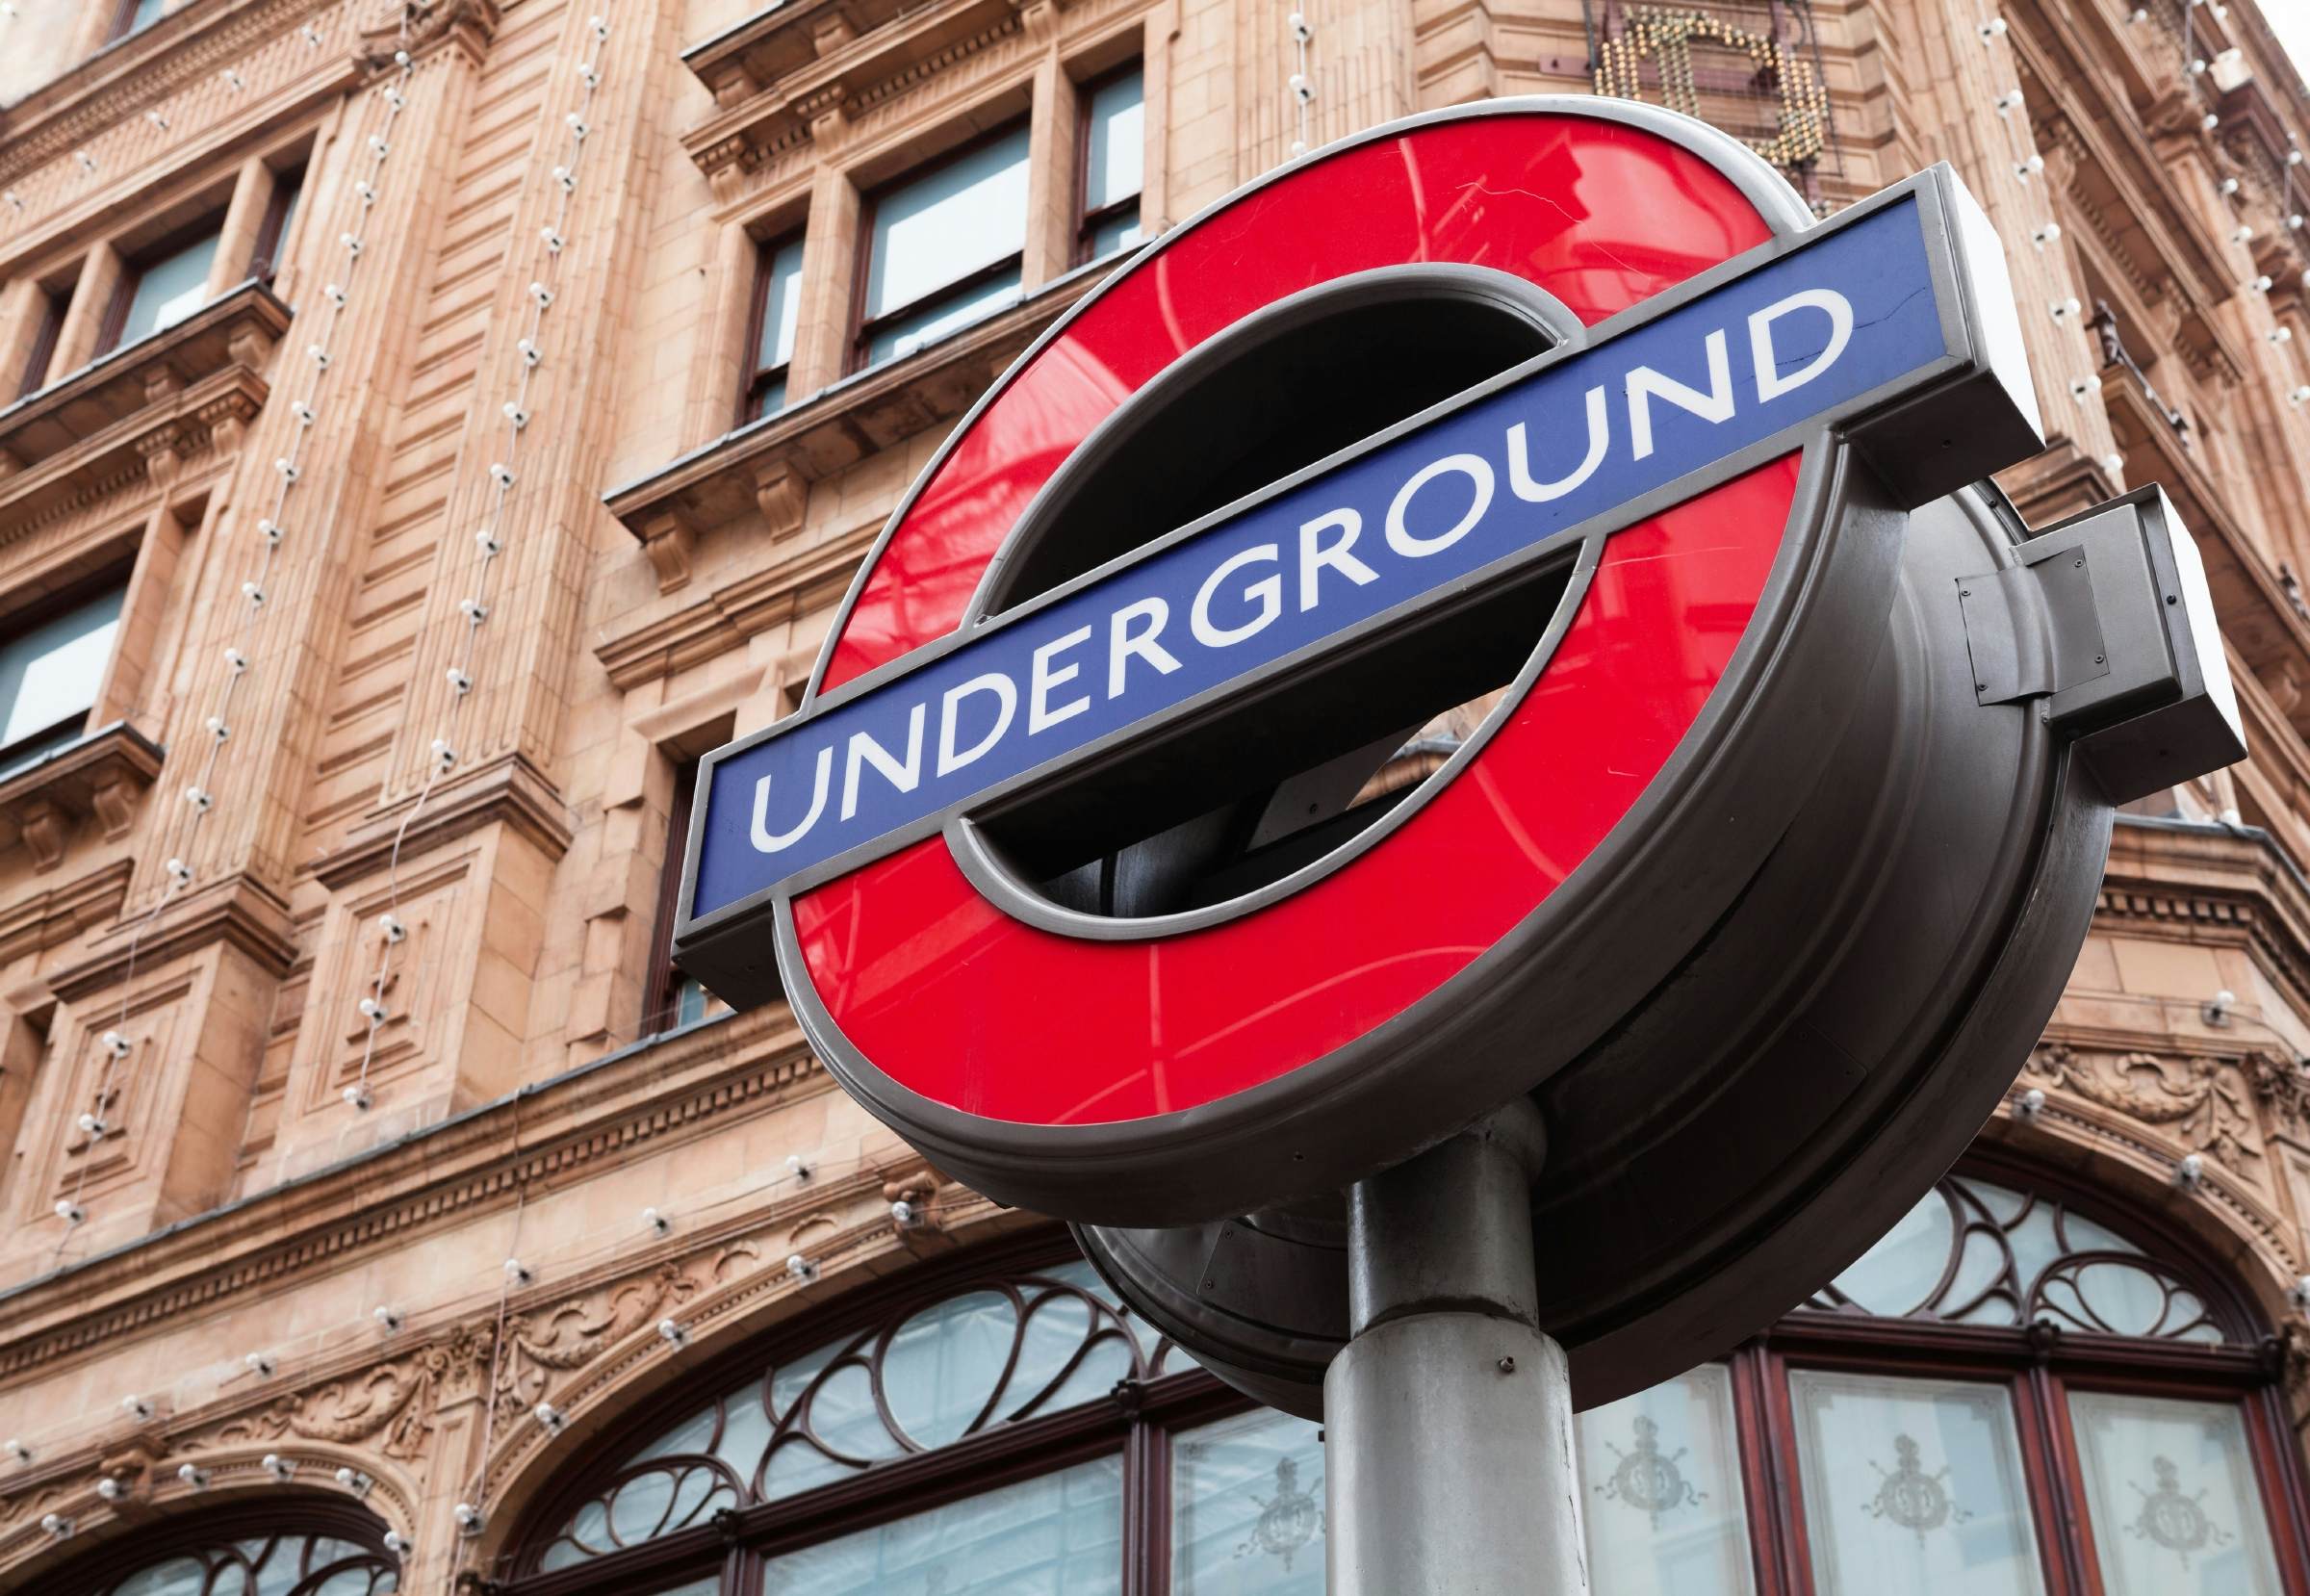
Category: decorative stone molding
[55,914]
[140,410]
[506,790]
[237,909]
[121,82]
[102,775]
[695,1081]
[2204,1103]
[775,74]
[423,28]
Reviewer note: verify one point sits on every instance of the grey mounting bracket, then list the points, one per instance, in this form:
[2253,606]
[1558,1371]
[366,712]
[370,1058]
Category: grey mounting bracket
[2106,619]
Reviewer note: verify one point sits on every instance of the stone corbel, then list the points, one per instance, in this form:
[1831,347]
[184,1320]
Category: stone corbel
[44,826]
[782,494]
[164,450]
[667,539]
[251,346]
[830,33]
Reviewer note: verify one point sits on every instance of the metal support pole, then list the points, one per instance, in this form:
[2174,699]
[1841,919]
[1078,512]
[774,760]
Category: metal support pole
[1448,1420]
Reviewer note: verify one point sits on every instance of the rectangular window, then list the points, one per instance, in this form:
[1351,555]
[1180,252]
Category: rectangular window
[280,214]
[161,289]
[943,248]
[777,307]
[136,15]
[1058,1534]
[1112,164]
[1247,1509]
[2169,1486]
[1913,1488]
[672,999]
[50,308]
[49,672]
[1661,1496]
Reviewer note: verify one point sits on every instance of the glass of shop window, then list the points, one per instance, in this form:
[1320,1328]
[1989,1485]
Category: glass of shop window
[1247,1507]
[1660,1491]
[1913,1488]
[2169,1488]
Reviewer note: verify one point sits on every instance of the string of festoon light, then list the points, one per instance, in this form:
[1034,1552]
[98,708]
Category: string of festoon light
[27,1449]
[2195,67]
[1302,86]
[488,546]
[254,593]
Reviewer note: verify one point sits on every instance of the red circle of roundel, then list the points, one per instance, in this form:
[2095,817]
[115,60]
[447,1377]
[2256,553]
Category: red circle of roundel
[959,1002]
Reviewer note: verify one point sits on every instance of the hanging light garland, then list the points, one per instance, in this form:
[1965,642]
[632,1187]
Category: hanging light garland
[255,594]
[488,546]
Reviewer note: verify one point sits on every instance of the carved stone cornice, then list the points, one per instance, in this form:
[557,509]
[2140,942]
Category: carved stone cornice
[137,411]
[2211,885]
[508,790]
[127,77]
[238,910]
[667,1091]
[759,599]
[774,76]
[762,470]
[32,921]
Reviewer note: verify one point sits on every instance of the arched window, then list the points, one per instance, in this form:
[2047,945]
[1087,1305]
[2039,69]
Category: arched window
[299,1546]
[1010,1429]
[2008,1396]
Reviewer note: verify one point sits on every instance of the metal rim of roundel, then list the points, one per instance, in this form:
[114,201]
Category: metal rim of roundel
[1295,1043]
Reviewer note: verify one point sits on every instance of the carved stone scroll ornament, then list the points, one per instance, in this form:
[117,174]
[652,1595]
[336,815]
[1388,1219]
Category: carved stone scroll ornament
[2283,1085]
[421,26]
[2201,1102]
[391,1407]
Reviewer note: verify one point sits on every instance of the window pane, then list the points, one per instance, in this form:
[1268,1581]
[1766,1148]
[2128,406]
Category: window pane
[1913,1488]
[143,14]
[1248,1509]
[906,335]
[1662,1498]
[1116,150]
[49,673]
[169,290]
[2170,1488]
[944,1364]
[1119,231]
[781,304]
[1058,1535]
[940,229]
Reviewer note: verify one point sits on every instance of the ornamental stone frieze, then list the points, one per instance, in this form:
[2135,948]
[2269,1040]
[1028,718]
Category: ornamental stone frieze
[2204,1104]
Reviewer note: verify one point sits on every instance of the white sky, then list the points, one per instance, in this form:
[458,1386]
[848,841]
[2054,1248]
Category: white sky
[2290,20]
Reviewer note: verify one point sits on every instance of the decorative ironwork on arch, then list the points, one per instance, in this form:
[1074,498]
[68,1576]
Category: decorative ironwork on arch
[1974,1252]
[929,1370]
[292,1547]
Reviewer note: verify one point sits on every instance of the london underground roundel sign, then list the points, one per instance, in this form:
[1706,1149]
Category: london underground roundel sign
[1355,655]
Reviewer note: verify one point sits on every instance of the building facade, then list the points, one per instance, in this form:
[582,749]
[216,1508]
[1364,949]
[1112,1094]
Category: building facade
[431,425]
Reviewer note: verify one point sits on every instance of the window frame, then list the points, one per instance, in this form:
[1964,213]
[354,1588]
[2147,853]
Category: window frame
[124,16]
[2037,1369]
[44,338]
[110,332]
[119,577]
[295,1512]
[1137,1425]
[861,327]
[758,377]
[273,232]
[1087,219]
[660,992]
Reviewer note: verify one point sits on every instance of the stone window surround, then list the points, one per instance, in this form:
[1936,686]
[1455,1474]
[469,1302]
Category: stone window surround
[768,464]
[242,204]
